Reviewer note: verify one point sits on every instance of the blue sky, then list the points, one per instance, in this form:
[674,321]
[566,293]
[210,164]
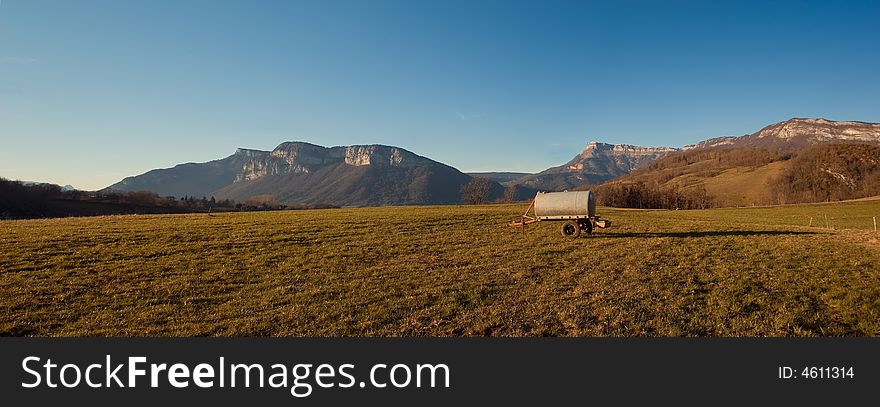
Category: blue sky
[93,91]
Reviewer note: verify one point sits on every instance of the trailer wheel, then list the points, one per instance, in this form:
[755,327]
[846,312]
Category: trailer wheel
[587,226]
[571,229]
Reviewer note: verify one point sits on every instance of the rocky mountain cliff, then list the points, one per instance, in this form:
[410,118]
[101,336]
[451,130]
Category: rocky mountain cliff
[305,158]
[797,134]
[304,173]
[599,162]
[296,172]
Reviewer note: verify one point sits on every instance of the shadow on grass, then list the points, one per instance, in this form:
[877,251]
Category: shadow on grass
[705,233]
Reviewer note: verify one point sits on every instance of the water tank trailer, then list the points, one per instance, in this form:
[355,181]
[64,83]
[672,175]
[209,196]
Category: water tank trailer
[576,209]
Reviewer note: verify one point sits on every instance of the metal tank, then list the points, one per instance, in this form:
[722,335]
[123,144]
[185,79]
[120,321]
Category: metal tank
[565,205]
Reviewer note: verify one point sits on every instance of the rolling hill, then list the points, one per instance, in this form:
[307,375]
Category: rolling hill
[746,176]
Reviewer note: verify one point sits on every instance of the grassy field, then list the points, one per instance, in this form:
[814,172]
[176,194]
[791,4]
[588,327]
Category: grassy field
[401,271]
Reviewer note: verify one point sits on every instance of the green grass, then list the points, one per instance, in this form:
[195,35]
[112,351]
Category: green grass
[444,271]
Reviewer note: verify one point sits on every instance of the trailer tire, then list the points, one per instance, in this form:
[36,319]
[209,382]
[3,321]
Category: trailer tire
[571,229]
[587,226]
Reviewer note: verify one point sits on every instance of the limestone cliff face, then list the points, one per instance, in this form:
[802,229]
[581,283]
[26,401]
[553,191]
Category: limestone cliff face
[359,175]
[305,158]
[615,157]
[597,163]
[822,130]
[297,172]
[380,155]
[796,134]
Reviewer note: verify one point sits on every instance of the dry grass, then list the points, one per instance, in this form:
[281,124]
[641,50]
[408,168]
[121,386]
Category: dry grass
[743,185]
[443,271]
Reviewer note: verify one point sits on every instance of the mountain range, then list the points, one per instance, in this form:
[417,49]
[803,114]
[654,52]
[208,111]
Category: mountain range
[304,173]
[599,162]
[797,134]
[371,175]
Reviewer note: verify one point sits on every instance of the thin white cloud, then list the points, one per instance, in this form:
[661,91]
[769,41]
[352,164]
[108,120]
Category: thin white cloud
[466,117]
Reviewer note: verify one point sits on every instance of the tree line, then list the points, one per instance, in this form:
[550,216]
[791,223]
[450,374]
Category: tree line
[24,201]
[646,196]
[829,173]
[822,173]
[481,190]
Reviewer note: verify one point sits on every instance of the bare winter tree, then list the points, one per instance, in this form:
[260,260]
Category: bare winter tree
[476,191]
[509,194]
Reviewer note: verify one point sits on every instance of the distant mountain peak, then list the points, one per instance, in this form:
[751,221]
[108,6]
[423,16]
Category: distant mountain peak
[248,152]
[299,172]
[598,162]
[624,148]
[302,157]
[821,120]
[798,133]
[821,129]
[712,142]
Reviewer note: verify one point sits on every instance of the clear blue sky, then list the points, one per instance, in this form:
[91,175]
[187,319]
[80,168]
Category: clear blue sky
[93,91]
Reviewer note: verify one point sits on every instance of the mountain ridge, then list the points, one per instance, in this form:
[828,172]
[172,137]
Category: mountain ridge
[797,134]
[597,163]
[795,161]
[298,172]
[376,174]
